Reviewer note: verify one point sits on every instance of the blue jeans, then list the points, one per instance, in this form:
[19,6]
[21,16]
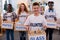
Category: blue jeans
[23,35]
[9,33]
[49,32]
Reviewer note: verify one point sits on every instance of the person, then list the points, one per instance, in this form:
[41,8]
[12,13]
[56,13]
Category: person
[9,16]
[35,19]
[22,16]
[42,10]
[50,13]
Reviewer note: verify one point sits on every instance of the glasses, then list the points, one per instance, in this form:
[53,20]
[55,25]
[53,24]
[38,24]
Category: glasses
[50,4]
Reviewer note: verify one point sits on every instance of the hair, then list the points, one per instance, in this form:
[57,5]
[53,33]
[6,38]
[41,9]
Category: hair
[51,2]
[25,8]
[35,3]
[11,9]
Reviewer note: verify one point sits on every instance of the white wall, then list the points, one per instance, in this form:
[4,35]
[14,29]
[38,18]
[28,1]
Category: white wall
[57,7]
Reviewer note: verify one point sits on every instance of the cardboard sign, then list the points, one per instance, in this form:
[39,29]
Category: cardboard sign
[51,24]
[37,37]
[19,27]
[35,33]
[7,25]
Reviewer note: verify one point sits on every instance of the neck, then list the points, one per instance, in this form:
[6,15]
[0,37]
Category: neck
[22,11]
[8,12]
[36,14]
[50,8]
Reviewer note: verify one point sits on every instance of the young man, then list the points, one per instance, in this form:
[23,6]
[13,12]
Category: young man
[50,14]
[35,19]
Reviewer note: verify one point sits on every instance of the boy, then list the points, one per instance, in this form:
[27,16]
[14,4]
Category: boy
[50,13]
[35,19]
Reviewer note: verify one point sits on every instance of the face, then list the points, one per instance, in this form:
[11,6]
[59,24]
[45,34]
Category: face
[35,9]
[22,7]
[50,5]
[8,7]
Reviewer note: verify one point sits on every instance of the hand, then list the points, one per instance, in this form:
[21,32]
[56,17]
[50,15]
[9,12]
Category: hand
[27,28]
[45,27]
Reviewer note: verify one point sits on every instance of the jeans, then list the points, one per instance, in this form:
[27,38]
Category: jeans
[9,33]
[23,35]
[49,32]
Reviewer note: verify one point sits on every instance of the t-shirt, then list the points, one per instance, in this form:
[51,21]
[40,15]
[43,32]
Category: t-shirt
[9,16]
[35,21]
[50,14]
[23,17]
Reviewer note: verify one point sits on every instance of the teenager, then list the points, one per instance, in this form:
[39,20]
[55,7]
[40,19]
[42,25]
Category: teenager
[9,16]
[35,19]
[50,13]
[22,16]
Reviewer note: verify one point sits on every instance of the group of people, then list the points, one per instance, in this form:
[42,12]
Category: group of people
[34,19]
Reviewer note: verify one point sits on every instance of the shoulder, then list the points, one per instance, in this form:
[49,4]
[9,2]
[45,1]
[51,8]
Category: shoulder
[54,10]
[13,12]
[5,14]
[42,16]
[30,16]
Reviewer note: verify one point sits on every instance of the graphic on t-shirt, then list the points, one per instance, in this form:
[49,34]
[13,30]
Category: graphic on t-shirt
[36,24]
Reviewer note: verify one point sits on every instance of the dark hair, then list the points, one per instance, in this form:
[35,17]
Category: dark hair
[25,8]
[51,2]
[35,3]
[11,9]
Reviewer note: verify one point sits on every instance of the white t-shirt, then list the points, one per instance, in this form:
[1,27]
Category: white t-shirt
[34,21]
[23,17]
[50,15]
[9,16]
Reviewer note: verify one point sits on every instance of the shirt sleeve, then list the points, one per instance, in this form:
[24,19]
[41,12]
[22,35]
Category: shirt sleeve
[4,17]
[45,14]
[27,22]
[55,17]
[44,21]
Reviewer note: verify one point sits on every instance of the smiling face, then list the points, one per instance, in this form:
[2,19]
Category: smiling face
[50,4]
[22,7]
[9,8]
[36,9]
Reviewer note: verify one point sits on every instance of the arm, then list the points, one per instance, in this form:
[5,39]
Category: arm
[14,16]
[44,23]
[4,17]
[27,23]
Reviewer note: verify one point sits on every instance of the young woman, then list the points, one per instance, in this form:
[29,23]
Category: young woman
[9,16]
[22,15]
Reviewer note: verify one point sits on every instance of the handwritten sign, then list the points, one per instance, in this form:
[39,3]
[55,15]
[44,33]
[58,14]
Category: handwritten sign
[51,24]
[37,37]
[35,33]
[19,27]
[7,25]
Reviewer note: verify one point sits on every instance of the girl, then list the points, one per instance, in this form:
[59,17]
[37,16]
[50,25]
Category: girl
[10,16]
[22,15]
